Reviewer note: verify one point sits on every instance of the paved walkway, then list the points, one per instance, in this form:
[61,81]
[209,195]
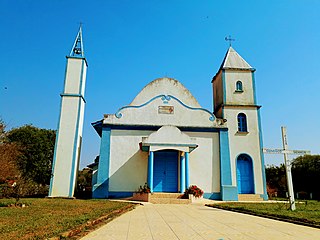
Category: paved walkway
[167,221]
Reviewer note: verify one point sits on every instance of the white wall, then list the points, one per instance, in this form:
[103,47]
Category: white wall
[167,86]
[128,164]
[73,73]
[246,97]
[204,163]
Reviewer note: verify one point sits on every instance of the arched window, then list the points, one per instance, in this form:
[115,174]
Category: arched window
[239,86]
[242,122]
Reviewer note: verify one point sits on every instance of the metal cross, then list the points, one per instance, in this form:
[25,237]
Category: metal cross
[285,151]
[228,38]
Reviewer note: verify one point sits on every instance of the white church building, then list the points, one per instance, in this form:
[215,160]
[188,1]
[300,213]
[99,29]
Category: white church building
[165,138]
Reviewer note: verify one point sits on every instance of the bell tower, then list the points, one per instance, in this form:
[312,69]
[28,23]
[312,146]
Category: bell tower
[69,134]
[234,99]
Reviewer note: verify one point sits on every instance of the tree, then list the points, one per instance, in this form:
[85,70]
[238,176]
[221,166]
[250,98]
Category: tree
[84,183]
[9,174]
[9,153]
[36,148]
[306,175]
[276,180]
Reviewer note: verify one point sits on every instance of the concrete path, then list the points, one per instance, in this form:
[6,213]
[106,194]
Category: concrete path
[194,221]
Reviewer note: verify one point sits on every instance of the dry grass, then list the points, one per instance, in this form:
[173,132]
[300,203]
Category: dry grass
[44,218]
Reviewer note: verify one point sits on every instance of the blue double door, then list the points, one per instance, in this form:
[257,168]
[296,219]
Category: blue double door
[165,172]
[245,174]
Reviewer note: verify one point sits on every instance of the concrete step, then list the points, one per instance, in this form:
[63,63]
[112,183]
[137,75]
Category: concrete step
[166,195]
[168,198]
[249,197]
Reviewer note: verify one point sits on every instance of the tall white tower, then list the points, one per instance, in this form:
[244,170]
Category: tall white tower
[235,100]
[69,133]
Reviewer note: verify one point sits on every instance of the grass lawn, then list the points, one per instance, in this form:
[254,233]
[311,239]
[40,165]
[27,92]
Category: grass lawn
[307,212]
[43,218]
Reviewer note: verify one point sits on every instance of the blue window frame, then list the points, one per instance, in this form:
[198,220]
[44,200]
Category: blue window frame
[239,86]
[242,123]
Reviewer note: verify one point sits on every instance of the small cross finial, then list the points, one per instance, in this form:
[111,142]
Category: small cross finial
[228,38]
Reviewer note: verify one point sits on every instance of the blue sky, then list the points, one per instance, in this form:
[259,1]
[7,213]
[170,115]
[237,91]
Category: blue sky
[130,43]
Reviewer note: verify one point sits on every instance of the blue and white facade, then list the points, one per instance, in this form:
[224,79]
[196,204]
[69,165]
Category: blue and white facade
[166,139]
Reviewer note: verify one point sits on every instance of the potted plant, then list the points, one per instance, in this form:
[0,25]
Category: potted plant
[193,193]
[142,194]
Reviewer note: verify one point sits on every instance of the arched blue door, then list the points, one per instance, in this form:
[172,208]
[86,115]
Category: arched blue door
[245,174]
[165,173]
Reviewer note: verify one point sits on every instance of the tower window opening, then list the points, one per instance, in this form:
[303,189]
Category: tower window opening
[239,86]
[242,123]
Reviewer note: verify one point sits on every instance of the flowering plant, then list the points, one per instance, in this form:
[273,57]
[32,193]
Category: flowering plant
[144,189]
[194,190]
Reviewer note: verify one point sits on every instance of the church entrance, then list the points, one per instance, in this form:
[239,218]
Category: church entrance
[245,174]
[165,174]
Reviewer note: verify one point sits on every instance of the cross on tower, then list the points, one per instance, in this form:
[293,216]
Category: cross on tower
[285,151]
[228,38]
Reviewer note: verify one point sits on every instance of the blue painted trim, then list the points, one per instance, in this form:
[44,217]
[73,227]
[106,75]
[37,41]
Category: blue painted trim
[72,95]
[213,195]
[101,189]
[254,88]
[253,173]
[146,146]
[224,90]
[225,165]
[264,197]
[98,126]
[94,178]
[187,170]
[165,98]
[76,57]
[228,192]
[171,144]
[182,174]
[114,194]
[263,170]
[81,80]
[150,170]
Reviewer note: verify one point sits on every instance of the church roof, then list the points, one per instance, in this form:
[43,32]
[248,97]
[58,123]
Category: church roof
[233,60]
